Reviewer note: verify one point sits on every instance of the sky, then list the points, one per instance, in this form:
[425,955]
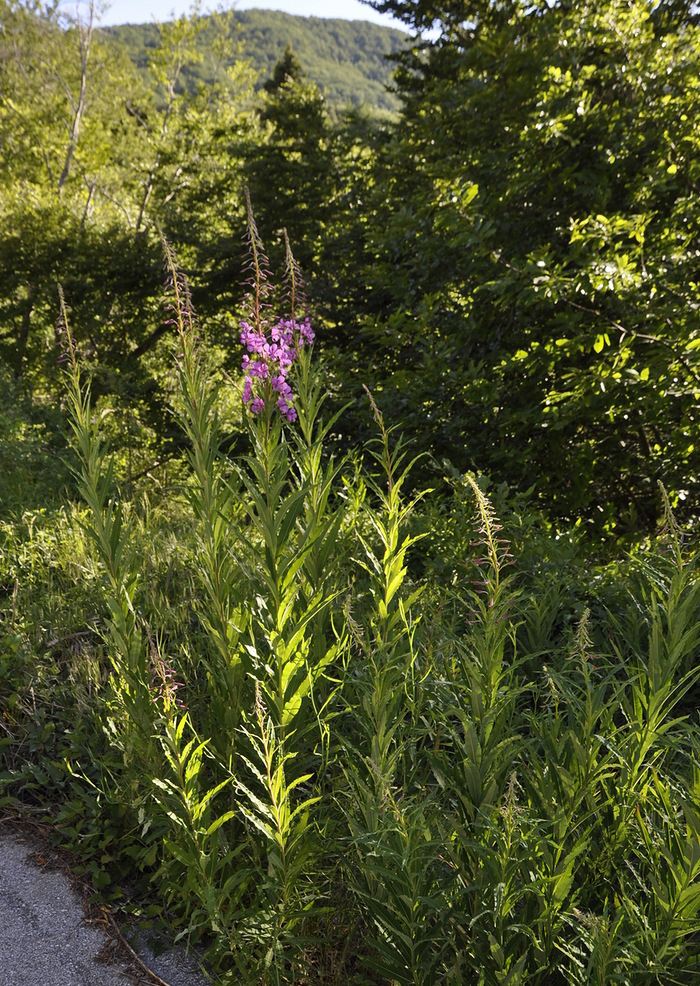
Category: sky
[143,11]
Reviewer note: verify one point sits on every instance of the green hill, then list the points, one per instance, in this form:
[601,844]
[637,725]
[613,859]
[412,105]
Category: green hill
[348,59]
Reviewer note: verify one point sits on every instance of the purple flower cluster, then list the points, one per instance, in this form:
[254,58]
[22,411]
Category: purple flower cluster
[267,362]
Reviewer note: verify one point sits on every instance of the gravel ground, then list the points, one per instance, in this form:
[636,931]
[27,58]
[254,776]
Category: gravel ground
[46,939]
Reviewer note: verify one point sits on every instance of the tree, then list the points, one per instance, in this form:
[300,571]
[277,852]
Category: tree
[536,255]
[92,162]
[291,174]
[63,125]
[287,72]
[64,96]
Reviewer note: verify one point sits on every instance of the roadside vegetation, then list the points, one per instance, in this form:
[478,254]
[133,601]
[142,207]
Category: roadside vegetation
[351,622]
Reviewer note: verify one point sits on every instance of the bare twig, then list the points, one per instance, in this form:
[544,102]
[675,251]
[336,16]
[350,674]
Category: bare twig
[153,976]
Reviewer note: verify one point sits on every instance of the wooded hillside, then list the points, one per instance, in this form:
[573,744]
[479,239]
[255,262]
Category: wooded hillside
[347,59]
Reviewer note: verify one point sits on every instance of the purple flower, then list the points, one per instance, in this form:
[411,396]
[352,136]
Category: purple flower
[258,369]
[280,385]
[284,408]
[306,333]
[275,355]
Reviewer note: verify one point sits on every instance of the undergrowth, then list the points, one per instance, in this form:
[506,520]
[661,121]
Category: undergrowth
[341,734]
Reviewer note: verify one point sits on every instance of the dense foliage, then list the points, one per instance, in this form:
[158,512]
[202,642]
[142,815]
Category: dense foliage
[543,268]
[353,621]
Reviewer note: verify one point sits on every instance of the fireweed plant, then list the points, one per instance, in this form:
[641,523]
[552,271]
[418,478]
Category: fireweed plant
[270,604]
[338,759]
